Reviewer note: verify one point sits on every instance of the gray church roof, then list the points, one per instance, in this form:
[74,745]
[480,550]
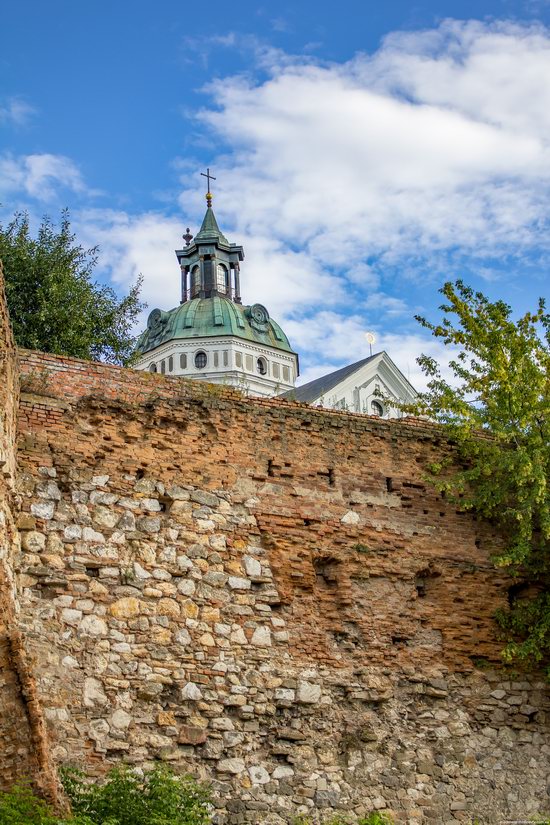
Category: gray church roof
[321,386]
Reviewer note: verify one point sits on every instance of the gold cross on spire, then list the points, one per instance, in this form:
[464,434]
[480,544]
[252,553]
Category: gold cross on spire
[208,177]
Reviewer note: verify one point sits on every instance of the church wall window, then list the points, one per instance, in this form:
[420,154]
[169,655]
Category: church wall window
[261,366]
[249,363]
[170,364]
[163,366]
[200,359]
[216,359]
[376,408]
[225,358]
[238,359]
[183,361]
[286,374]
[152,367]
[276,371]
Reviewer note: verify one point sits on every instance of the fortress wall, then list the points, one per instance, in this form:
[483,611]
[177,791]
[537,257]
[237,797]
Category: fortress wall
[268,596]
[24,752]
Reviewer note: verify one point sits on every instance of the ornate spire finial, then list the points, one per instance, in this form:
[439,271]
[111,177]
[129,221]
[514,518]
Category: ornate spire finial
[208,177]
[187,237]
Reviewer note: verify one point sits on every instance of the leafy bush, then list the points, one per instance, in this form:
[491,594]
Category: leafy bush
[159,797]
[374,818]
[21,806]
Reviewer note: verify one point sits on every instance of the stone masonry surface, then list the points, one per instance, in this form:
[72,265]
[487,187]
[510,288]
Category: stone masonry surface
[267,596]
[23,739]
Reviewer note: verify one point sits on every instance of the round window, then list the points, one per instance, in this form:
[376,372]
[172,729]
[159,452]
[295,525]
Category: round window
[376,408]
[261,365]
[200,360]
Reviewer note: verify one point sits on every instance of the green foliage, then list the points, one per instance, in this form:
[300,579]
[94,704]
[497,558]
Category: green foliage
[21,806]
[159,797]
[54,304]
[496,410]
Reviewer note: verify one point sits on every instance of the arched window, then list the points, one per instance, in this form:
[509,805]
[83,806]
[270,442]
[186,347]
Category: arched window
[152,367]
[261,366]
[195,281]
[163,366]
[376,408]
[170,364]
[183,361]
[221,278]
[200,359]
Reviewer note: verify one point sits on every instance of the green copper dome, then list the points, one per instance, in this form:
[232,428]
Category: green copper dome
[213,317]
[211,296]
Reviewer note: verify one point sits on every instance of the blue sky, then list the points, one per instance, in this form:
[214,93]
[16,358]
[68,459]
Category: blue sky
[365,152]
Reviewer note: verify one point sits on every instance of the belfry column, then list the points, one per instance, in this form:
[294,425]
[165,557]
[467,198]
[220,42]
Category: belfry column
[237,284]
[184,292]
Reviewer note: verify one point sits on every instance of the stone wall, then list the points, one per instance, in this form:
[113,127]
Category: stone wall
[24,750]
[266,595]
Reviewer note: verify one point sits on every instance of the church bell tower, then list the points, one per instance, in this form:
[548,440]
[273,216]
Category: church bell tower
[211,336]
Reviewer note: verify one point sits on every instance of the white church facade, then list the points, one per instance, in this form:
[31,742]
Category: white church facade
[372,386]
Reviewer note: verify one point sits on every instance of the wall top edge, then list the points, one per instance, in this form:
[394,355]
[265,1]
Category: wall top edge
[73,378]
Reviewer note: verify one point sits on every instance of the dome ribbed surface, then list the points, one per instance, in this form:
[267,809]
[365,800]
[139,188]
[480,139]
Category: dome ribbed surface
[209,318]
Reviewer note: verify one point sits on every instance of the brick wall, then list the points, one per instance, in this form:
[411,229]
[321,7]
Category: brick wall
[266,595]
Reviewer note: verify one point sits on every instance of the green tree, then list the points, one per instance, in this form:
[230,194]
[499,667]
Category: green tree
[54,304]
[496,410]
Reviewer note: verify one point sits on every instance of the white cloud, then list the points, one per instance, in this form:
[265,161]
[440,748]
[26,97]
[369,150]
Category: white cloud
[283,279]
[39,176]
[16,112]
[491,74]
[433,151]
[331,340]
[441,138]
[130,245]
